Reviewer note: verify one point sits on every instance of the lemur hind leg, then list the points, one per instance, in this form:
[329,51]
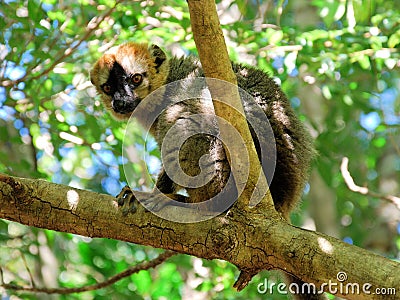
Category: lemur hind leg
[128,202]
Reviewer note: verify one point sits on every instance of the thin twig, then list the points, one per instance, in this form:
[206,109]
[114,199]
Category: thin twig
[371,52]
[28,269]
[1,276]
[364,190]
[142,266]
[289,48]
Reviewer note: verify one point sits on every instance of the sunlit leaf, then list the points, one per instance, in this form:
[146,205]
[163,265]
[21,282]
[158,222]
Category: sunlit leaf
[364,62]
[379,142]
[394,39]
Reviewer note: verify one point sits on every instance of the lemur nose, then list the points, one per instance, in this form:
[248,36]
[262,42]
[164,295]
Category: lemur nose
[118,105]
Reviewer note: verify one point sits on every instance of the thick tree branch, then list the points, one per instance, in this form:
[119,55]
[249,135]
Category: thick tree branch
[251,241]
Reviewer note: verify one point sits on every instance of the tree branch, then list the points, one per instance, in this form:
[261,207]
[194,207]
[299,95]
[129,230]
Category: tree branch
[364,190]
[142,266]
[215,61]
[251,241]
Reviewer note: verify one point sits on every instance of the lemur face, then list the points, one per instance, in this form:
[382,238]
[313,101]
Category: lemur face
[127,74]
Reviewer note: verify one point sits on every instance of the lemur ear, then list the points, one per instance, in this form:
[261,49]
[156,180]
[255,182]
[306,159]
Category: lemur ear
[158,55]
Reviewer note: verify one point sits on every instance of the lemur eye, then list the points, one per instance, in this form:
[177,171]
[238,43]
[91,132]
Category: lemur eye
[106,88]
[137,79]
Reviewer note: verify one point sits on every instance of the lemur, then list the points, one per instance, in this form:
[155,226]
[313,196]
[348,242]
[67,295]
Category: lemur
[127,74]
[130,72]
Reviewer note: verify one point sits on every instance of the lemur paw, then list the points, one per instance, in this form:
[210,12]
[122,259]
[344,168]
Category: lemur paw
[155,201]
[126,200]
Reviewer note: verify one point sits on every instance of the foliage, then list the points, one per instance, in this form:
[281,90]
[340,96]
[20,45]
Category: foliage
[338,61]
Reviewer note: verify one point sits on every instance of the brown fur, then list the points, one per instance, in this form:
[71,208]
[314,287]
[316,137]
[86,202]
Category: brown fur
[293,143]
[133,57]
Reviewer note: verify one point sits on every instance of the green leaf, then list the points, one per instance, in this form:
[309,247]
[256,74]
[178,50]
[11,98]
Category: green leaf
[316,34]
[394,39]
[364,62]
[276,37]
[326,92]
[247,9]
[329,11]
[57,15]
[347,99]
[48,84]
[143,281]
[379,142]
[363,9]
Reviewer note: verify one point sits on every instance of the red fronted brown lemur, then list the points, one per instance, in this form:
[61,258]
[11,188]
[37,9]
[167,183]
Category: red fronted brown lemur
[124,76]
